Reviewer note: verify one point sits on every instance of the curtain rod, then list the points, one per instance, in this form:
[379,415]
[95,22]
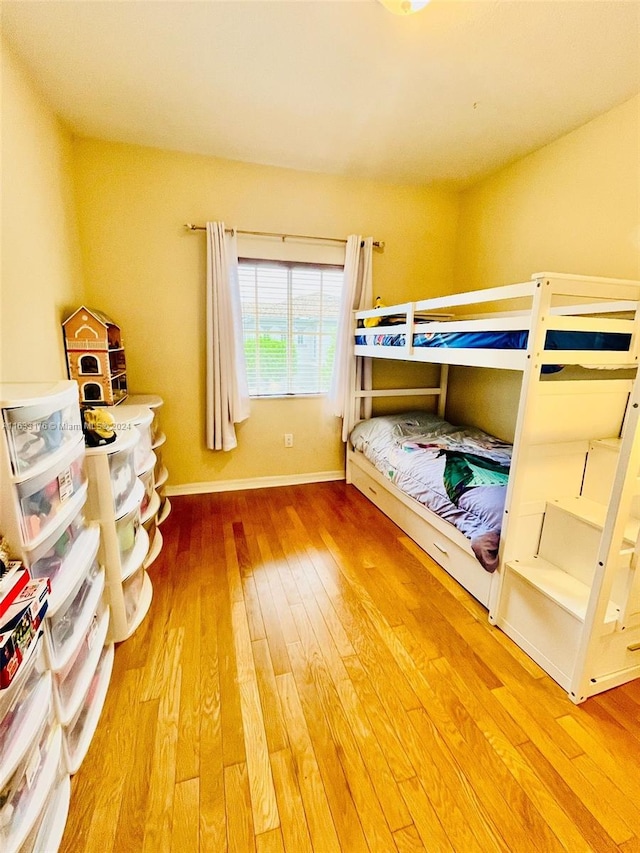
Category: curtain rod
[379,244]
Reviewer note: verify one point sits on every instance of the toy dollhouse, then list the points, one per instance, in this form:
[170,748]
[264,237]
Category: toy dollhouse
[95,357]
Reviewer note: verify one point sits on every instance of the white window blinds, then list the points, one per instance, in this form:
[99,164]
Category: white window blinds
[289,321]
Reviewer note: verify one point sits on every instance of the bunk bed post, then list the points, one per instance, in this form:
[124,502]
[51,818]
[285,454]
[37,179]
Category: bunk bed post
[444,382]
[540,306]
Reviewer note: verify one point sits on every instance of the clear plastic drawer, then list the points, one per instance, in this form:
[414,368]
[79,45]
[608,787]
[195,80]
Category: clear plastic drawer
[126,529]
[79,733]
[22,709]
[131,591]
[46,835]
[139,419]
[123,476]
[42,498]
[70,684]
[148,481]
[38,431]
[65,559]
[23,797]
[64,628]
[47,560]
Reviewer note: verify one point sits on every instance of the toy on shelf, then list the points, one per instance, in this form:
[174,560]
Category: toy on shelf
[95,357]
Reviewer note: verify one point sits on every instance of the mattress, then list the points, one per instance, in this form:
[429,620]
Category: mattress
[460,473]
[555,340]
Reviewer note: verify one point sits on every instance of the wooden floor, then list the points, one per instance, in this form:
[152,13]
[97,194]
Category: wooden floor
[308,679]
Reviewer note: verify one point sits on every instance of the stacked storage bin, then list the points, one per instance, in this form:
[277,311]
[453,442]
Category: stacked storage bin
[139,419]
[115,498]
[159,506]
[45,724]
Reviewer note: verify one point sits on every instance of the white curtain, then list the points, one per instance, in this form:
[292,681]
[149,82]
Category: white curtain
[357,294]
[227,392]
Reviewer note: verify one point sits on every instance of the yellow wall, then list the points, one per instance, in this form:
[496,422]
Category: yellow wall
[573,206]
[148,273]
[41,272]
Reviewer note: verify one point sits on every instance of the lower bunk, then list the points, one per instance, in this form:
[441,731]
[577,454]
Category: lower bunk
[441,477]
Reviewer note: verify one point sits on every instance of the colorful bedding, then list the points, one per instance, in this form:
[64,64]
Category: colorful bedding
[460,473]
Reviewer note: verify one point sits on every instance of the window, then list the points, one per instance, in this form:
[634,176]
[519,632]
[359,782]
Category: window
[89,364]
[289,323]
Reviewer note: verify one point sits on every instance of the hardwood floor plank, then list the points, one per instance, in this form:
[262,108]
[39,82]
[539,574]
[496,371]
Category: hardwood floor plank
[233,744]
[263,797]
[385,731]
[338,793]
[295,830]
[425,819]
[186,812]
[188,749]
[130,826]
[307,771]
[159,816]
[240,834]
[275,728]
[252,604]
[263,794]
[270,842]
[408,840]
[213,834]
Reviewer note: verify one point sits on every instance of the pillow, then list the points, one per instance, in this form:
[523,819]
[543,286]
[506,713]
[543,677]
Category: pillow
[401,425]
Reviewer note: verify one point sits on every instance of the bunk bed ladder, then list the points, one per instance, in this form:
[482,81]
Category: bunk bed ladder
[604,659]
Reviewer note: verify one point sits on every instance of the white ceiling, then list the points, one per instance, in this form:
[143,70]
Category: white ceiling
[446,95]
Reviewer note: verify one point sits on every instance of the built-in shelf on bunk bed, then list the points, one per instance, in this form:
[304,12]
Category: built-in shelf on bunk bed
[566,590]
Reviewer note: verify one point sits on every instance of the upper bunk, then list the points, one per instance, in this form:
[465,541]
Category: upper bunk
[554,319]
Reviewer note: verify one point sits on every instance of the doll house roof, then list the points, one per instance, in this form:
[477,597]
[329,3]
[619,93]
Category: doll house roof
[100,316]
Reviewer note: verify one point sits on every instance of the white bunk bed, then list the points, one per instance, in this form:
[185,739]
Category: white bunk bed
[566,589]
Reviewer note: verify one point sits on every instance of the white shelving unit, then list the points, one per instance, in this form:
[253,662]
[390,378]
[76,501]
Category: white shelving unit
[114,500]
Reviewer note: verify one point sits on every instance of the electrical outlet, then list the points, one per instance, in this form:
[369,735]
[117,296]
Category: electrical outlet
[288,439]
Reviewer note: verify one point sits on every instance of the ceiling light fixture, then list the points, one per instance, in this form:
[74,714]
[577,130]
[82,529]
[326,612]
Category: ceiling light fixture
[404,7]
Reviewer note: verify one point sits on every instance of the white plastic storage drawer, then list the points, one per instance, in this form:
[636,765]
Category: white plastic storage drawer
[23,708]
[67,561]
[47,560]
[70,684]
[36,429]
[23,797]
[123,476]
[79,733]
[44,498]
[131,592]
[151,526]
[160,473]
[126,529]
[147,479]
[65,628]
[139,419]
[46,835]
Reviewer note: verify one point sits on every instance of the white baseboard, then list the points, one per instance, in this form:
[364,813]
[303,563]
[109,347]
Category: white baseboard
[253,483]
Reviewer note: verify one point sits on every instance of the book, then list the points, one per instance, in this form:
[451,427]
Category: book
[12,585]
